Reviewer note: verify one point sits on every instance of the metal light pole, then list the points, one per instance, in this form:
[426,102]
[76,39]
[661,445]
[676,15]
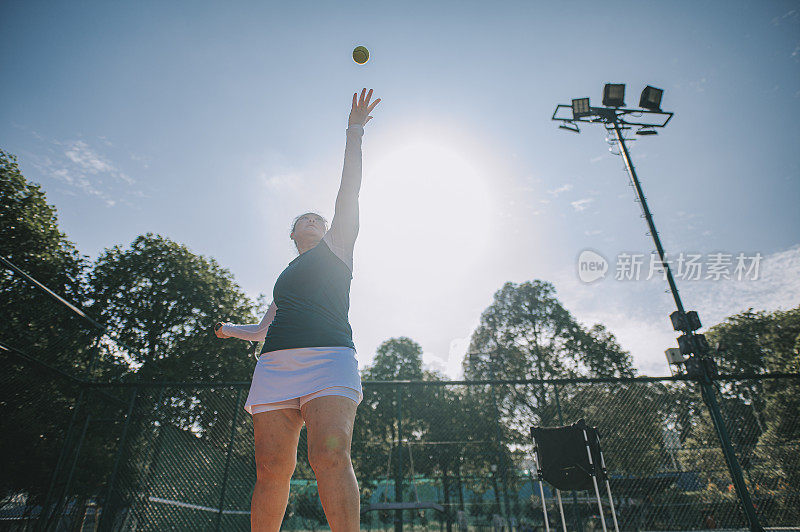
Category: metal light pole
[700,366]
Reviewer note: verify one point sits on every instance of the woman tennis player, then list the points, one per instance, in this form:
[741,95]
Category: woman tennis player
[308,371]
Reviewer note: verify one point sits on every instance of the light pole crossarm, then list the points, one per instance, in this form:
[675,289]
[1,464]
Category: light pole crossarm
[609,115]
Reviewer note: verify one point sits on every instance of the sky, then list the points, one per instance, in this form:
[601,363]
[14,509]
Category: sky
[215,124]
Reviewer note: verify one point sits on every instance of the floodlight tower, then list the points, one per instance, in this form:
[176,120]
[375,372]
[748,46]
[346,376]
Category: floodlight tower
[693,352]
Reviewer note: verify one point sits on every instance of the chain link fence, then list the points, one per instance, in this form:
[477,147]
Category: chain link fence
[102,454]
[179,456]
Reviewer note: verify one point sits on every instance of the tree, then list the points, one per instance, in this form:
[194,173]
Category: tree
[779,444]
[31,240]
[446,430]
[753,342]
[395,359]
[526,333]
[761,414]
[739,339]
[161,300]
[36,398]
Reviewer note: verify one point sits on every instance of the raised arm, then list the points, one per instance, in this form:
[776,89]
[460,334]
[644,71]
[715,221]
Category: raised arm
[344,227]
[255,332]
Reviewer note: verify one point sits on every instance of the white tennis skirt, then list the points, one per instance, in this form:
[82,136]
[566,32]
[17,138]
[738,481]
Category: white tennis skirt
[291,373]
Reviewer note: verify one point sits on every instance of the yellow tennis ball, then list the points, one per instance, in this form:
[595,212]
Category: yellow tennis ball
[360,55]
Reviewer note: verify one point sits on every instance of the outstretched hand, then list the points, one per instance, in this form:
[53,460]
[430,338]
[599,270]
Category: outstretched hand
[359,114]
[218,331]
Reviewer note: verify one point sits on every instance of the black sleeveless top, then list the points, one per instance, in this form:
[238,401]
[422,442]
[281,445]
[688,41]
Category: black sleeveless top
[312,296]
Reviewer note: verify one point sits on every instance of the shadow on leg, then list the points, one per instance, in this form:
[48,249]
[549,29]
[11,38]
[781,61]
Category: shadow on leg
[276,435]
[329,423]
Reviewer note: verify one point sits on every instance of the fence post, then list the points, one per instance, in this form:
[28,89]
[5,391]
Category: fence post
[228,459]
[106,514]
[398,479]
[155,442]
[500,456]
[576,511]
[45,515]
[68,485]
[499,439]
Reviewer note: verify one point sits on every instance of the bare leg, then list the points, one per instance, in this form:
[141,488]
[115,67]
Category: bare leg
[276,435]
[329,423]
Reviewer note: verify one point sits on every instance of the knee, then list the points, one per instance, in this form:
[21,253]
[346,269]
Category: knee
[331,452]
[274,466]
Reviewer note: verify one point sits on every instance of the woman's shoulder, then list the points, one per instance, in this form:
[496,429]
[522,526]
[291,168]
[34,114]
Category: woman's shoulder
[339,248]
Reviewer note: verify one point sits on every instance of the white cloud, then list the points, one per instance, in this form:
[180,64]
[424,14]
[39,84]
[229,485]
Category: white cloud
[451,364]
[80,154]
[82,168]
[90,161]
[556,191]
[776,287]
[282,180]
[789,16]
[581,204]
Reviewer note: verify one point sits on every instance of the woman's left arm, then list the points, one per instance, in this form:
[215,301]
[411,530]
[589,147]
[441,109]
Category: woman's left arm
[344,227]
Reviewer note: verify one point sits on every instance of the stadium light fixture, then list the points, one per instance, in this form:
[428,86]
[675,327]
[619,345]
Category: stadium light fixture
[614,95]
[651,98]
[581,107]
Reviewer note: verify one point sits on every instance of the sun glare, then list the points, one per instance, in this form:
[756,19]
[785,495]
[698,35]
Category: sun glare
[426,210]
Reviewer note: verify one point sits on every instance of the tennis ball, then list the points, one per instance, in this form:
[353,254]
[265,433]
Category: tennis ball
[360,55]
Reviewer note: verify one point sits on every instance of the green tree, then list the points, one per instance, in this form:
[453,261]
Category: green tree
[460,442]
[161,300]
[396,359]
[447,431]
[31,240]
[36,402]
[739,340]
[375,432]
[779,444]
[526,333]
[753,342]
[762,415]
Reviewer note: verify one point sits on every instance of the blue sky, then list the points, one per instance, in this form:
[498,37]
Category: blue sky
[216,123]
